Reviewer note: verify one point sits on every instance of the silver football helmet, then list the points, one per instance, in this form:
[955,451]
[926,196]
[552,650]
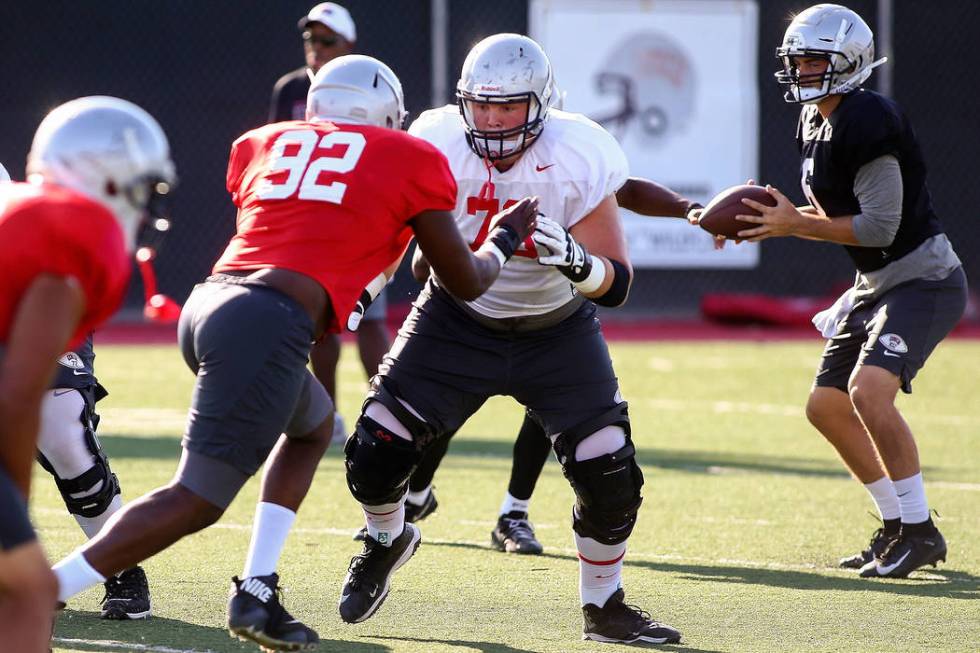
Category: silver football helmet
[356,89]
[110,150]
[499,69]
[829,32]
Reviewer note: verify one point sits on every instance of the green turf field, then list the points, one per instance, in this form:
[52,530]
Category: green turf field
[746,512]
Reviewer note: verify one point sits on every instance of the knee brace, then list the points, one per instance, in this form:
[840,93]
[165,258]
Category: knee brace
[607,488]
[94,504]
[379,463]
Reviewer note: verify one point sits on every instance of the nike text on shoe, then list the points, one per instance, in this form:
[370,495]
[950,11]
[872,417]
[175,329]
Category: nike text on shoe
[879,541]
[255,614]
[618,622]
[905,554]
[127,596]
[369,575]
[413,513]
[514,534]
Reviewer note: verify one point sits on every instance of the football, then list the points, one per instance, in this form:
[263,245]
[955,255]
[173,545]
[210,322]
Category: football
[718,217]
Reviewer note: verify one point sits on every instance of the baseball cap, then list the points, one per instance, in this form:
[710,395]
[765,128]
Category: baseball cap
[333,16]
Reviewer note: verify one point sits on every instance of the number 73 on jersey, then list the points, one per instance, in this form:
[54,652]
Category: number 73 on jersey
[492,207]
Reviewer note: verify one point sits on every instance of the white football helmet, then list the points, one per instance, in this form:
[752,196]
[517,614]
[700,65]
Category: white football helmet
[829,32]
[356,89]
[499,69]
[111,150]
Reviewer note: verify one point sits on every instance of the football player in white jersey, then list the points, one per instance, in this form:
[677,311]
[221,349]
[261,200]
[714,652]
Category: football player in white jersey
[533,335]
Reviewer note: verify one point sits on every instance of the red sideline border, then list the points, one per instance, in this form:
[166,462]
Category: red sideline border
[634,330]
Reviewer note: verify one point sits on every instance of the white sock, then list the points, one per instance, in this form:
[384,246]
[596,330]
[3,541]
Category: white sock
[418,498]
[512,504]
[883,493]
[385,522]
[75,575]
[269,532]
[912,499]
[600,569]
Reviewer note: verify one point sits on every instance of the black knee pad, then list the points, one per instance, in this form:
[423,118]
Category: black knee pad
[379,463]
[607,488]
[95,504]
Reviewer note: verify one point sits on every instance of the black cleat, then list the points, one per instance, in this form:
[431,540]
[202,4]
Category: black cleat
[127,596]
[879,542]
[413,513]
[618,622]
[255,614]
[905,554]
[514,534]
[368,578]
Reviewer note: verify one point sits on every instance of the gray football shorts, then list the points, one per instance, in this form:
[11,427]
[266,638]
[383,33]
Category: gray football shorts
[897,331]
[248,345]
[445,365]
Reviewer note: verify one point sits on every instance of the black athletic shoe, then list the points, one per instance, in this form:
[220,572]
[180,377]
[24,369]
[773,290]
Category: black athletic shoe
[413,513]
[905,554]
[369,575]
[618,622]
[879,542]
[127,596]
[514,534]
[255,614]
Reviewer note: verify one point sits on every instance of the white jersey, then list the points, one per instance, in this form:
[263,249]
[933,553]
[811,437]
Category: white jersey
[573,165]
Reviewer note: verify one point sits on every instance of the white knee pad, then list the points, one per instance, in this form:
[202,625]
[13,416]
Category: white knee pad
[608,439]
[61,436]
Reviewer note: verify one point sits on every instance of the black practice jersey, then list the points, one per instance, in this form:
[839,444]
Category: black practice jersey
[289,96]
[864,127]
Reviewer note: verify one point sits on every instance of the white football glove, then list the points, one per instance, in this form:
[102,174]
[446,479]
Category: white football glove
[571,258]
[368,295]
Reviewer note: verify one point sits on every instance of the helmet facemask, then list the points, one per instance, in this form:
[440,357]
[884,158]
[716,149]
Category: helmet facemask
[500,144]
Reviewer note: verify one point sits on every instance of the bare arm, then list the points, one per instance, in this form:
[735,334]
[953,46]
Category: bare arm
[647,197]
[464,273]
[42,327]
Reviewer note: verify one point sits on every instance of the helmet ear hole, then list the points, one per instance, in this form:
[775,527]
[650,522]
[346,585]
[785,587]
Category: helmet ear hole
[110,188]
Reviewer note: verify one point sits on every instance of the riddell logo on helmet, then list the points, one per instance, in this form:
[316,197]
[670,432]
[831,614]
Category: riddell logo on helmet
[489,88]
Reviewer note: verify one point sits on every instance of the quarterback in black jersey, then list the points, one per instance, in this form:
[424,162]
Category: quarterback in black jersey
[863,173]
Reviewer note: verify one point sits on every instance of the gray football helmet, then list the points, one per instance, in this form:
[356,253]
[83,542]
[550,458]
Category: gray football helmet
[506,68]
[356,89]
[111,150]
[831,32]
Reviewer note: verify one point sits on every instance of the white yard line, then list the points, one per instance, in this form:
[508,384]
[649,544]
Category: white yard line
[124,646]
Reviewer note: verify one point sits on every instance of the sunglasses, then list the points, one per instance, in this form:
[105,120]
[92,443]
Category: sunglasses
[324,41]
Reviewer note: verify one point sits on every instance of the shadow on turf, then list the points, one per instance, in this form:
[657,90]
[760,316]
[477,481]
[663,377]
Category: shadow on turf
[954,585]
[493,647]
[122,445]
[85,631]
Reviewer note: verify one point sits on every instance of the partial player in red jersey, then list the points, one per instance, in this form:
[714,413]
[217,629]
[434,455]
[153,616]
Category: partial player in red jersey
[325,206]
[96,168]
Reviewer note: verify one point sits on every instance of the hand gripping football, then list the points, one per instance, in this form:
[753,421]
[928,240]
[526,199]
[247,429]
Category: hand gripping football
[718,217]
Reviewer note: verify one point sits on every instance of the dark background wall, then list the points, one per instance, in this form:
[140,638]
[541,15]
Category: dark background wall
[206,69]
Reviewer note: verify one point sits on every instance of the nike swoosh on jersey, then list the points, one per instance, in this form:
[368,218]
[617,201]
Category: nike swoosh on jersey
[884,570]
[893,355]
[543,168]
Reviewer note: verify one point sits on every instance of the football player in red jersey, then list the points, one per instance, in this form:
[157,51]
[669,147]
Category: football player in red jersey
[96,168]
[325,205]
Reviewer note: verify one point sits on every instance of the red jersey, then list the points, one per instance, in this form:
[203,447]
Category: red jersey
[50,229]
[330,201]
